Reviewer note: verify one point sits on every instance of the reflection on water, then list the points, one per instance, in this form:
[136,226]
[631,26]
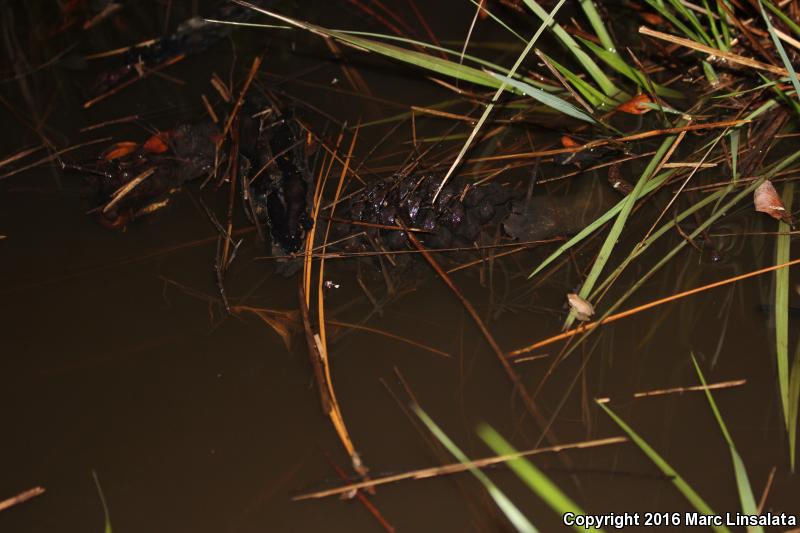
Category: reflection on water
[115,361]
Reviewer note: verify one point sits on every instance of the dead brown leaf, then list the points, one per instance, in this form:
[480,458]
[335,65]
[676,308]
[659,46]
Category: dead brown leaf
[767,201]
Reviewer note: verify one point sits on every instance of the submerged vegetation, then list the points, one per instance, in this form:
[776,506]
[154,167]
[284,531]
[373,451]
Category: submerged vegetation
[689,110]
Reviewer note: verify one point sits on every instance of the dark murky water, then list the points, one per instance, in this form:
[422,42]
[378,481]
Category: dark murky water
[198,423]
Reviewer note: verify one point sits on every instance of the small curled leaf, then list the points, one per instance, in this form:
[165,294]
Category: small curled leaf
[767,201]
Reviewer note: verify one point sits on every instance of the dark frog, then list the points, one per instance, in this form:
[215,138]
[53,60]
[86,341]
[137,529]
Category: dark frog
[277,184]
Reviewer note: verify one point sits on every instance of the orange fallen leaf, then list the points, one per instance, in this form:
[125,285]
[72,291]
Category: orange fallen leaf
[636,105]
[583,309]
[121,149]
[767,201]
[157,144]
[568,142]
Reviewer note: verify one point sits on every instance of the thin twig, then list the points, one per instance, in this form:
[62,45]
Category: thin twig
[681,390]
[388,335]
[20,155]
[454,468]
[767,487]
[368,505]
[51,157]
[22,497]
[253,70]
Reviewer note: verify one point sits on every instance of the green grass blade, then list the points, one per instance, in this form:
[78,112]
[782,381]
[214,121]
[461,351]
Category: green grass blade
[548,99]
[641,247]
[710,73]
[614,61]
[689,15]
[688,492]
[107,527]
[497,19]
[590,10]
[486,112]
[734,135]
[763,108]
[782,249]
[583,58]
[734,144]
[784,97]
[781,15]
[664,229]
[723,22]
[667,13]
[741,92]
[794,405]
[510,510]
[536,480]
[450,52]
[622,218]
[746,497]
[781,52]
[436,64]
[712,24]
[413,57]
[596,98]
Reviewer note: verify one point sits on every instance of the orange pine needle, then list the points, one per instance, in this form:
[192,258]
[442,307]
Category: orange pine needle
[250,75]
[119,150]
[320,292]
[334,413]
